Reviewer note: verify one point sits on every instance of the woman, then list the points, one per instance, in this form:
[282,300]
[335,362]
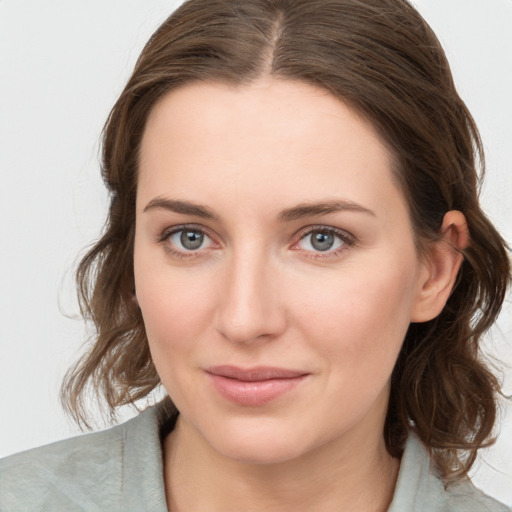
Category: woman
[295,251]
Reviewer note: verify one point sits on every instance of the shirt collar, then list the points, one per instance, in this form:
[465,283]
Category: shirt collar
[418,489]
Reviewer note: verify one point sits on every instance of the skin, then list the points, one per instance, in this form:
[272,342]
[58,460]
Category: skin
[257,292]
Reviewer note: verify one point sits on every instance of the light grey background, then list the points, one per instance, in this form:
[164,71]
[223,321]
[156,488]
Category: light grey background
[62,65]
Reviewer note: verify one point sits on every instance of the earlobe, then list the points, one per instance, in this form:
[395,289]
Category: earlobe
[441,267]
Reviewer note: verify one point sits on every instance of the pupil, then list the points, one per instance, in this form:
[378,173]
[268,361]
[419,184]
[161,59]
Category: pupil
[191,239]
[322,241]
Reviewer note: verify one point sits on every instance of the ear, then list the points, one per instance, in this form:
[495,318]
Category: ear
[440,268]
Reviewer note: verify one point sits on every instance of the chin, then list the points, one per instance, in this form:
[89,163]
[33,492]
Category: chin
[259,441]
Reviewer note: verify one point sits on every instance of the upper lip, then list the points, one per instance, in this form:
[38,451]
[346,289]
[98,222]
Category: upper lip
[254,374]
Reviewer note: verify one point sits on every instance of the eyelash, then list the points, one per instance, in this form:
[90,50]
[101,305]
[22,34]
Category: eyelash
[182,255]
[347,239]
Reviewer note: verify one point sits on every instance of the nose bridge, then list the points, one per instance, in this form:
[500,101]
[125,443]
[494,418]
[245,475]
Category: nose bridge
[249,307]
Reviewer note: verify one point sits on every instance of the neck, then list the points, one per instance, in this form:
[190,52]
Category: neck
[352,474]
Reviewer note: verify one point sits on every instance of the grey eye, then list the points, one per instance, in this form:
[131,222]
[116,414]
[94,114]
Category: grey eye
[321,241]
[189,240]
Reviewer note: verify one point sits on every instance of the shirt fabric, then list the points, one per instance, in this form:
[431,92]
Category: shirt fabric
[121,470]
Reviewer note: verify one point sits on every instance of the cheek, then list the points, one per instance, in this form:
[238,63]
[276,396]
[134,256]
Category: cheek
[175,308]
[359,319]
[175,313]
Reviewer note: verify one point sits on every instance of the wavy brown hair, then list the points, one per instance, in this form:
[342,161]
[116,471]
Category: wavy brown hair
[381,58]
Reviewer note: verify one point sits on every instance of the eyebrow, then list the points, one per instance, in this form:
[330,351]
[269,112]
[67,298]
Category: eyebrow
[297,212]
[323,208]
[185,207]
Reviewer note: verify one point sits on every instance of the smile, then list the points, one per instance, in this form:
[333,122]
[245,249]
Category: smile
[253,386]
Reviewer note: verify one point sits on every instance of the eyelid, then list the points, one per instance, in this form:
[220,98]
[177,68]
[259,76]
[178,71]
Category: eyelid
[164,236]
[171,230]
[342,233]
[348,239]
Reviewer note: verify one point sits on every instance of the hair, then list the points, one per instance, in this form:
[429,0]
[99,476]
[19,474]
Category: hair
[383,60]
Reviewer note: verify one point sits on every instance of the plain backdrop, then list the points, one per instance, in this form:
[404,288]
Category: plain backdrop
[62,65]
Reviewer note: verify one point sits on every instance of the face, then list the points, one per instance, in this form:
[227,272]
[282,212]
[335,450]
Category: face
[275,266]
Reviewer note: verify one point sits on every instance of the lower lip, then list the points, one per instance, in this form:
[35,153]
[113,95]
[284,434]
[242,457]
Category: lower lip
[254,393]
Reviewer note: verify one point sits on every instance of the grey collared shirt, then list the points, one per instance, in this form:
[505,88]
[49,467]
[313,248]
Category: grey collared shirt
[121,470]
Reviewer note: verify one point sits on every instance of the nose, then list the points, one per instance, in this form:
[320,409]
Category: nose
[249,305]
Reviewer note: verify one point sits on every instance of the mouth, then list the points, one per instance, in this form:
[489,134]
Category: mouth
[253,386]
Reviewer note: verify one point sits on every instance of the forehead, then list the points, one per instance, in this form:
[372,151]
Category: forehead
[289,141]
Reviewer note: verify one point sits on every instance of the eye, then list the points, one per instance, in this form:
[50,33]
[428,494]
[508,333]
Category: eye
[187,239]
[325,240]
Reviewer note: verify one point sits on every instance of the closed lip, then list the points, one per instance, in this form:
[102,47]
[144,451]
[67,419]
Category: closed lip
[255,374]
[253,387]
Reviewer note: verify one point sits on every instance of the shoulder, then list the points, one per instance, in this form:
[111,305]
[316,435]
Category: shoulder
[463,496]
[67,469]
[109,470]
[420,488]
